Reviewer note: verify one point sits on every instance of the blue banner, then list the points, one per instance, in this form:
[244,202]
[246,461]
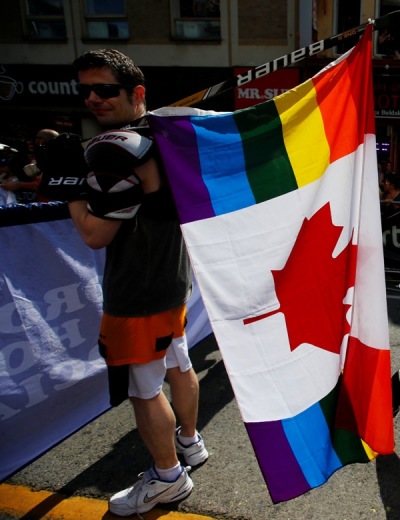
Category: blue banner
[52,379]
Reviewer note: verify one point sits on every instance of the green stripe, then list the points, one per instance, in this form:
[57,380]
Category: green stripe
[347,445]
[268,168]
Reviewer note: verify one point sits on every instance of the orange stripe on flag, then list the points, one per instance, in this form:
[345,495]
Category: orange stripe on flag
[346,78]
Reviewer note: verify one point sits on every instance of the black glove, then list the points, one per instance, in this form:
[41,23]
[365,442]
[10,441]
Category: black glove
[114,191]
[63,167]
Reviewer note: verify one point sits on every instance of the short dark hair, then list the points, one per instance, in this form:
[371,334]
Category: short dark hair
[122,67]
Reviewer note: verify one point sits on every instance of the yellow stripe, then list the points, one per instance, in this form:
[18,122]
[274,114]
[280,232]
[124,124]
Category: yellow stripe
[303,133]
[370,453]
[20,501]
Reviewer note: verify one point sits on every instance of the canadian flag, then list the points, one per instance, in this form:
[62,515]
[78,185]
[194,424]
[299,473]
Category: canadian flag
[279,206]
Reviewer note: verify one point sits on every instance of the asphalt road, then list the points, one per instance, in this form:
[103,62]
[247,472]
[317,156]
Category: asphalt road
[107,455]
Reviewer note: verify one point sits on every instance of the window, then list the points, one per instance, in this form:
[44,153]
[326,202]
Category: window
[348,16]
[45,19]
[106,19]
[388,41]
[196,20]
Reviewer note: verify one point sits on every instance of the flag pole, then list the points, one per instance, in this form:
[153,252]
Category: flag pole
[391,20]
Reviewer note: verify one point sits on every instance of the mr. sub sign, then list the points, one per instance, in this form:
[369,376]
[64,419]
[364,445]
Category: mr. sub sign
[265,87]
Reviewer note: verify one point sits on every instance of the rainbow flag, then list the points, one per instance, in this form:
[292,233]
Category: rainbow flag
[279,208]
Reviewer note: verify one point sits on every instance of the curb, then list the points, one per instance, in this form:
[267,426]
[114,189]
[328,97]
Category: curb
[22,502]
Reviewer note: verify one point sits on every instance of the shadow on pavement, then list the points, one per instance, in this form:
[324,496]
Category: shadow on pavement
[388,474]
[128,456]
[215,388]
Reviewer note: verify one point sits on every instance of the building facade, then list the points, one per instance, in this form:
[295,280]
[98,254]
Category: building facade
[183,46]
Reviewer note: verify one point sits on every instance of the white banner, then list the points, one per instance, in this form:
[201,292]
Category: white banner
[52,379]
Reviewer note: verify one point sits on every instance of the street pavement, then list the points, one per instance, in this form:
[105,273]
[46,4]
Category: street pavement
[107,454]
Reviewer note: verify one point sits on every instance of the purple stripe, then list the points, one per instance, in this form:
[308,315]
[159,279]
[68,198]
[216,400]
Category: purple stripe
[182,165]
[282,473]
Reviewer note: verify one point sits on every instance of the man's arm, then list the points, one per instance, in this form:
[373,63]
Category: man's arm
[95,232]
[15,185]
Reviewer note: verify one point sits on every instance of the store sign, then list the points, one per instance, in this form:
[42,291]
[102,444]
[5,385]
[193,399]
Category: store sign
[38,85]
[265,88]
[387,96]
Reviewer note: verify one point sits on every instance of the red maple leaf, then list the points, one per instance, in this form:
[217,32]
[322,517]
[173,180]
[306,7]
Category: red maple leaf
[312,285]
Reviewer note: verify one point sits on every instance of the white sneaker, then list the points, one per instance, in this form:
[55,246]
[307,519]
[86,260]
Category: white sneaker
[150,491]
[195,453]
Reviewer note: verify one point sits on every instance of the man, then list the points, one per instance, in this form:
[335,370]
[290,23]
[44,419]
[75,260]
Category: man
[32,170]
[147,280]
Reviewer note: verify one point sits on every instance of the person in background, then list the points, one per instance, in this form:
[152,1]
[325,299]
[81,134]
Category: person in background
[17,183]
[386,167]
[6,155]
[127,208]
[45,135]
[390,200]
[381,178]
[389,43]
[32,169]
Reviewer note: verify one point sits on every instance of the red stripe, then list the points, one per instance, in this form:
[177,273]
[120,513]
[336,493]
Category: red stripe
[365,402]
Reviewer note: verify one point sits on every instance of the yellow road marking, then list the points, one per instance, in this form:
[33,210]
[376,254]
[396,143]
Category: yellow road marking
[44,505]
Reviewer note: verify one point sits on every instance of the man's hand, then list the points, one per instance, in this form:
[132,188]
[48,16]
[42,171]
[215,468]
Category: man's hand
[63,167]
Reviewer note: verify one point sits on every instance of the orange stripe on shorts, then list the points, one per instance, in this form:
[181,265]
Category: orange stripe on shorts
[140,340]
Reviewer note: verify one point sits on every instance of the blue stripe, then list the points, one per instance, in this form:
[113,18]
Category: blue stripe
[222,163]
[309,438]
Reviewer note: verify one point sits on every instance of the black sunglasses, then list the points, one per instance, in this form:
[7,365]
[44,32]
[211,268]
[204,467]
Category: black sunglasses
[103,90]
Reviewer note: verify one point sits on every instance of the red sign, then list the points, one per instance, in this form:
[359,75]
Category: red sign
[266,87]
[387,96]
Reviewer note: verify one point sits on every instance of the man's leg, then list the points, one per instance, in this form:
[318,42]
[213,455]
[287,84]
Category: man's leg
[185,397]
[167,481]
[156,424]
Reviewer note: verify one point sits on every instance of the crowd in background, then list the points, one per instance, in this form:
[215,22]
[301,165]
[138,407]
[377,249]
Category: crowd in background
[19,175]
[389,190]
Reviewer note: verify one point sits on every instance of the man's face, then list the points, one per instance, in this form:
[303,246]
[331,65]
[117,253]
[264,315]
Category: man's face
[114,111]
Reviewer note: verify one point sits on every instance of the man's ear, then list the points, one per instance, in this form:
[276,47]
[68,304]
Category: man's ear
[139,92]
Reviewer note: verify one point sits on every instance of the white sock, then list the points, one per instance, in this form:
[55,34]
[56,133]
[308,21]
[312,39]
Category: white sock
[169,474]
[187,441]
